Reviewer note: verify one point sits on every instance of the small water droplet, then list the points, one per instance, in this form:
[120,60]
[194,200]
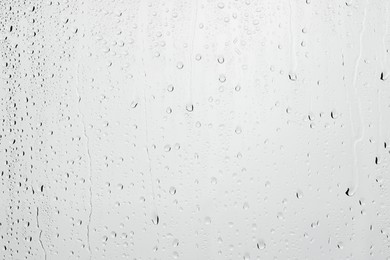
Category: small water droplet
[349,192]
[280,216]
[156,219]
[261,244]
[348,3]
[167,148]
[180,65]
[134,104]
[222,78]
[172,190]
[190,107]
[221,59]
[175,242]
[299,194]
[384,75]
[221,5]
[292,76]
[333,114]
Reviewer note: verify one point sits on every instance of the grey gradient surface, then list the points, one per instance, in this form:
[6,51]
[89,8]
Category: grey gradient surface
[195,129]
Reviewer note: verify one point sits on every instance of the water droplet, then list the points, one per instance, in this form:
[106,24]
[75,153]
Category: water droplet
[349,192]
[261,244]
[333,114]
[299,194]
[221,59]
[221,5]
[134,104]
[280,216]
[222,78]
[175,242]
[384,75]
[180,65]
[172,190]
[190,107]
[292,76]
[156,219]
[167,148]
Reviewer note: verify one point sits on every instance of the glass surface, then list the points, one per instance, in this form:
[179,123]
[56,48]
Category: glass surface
[195,129]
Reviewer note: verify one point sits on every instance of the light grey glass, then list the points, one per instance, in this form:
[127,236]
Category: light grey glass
[195,129]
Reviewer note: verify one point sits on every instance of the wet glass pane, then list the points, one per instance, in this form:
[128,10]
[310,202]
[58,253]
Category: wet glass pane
[195,129]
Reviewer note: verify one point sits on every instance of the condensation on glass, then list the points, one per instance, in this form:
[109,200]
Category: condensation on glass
[195,129]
